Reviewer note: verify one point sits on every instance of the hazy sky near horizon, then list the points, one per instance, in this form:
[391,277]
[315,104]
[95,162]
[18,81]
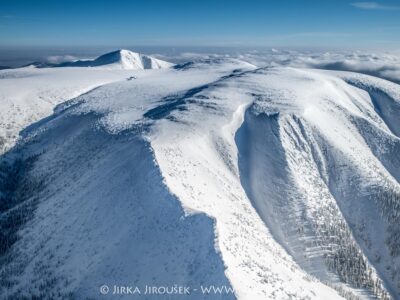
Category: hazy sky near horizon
[305,23]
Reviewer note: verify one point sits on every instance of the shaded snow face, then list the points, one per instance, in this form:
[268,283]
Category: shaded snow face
[102,216]
[281,182]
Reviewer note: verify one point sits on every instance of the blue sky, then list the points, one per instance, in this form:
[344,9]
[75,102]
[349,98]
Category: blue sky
[305,23]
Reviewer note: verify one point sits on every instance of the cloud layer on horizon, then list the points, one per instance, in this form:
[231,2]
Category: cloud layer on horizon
[381,64]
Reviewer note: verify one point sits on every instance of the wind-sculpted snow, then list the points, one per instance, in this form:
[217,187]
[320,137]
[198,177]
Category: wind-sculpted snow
[280,182]
[325,191]
[385,97]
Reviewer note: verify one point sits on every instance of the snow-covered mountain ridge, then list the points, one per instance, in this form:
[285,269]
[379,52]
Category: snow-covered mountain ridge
[120,59]
[280,182]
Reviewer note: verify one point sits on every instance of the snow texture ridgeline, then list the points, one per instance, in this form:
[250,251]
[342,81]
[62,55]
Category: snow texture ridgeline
[282,183]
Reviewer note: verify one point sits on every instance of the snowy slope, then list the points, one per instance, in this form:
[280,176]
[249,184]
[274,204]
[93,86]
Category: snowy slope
[281,183]
[27,94]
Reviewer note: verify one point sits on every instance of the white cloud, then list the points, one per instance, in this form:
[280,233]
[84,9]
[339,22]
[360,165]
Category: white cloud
[381,64]
[374,6]
[55,59]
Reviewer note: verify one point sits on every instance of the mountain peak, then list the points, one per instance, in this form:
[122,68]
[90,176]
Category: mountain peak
[118,59]
[126,59]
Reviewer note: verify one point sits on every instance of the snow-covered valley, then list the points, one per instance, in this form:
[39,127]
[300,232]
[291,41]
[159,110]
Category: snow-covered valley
[278,182]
